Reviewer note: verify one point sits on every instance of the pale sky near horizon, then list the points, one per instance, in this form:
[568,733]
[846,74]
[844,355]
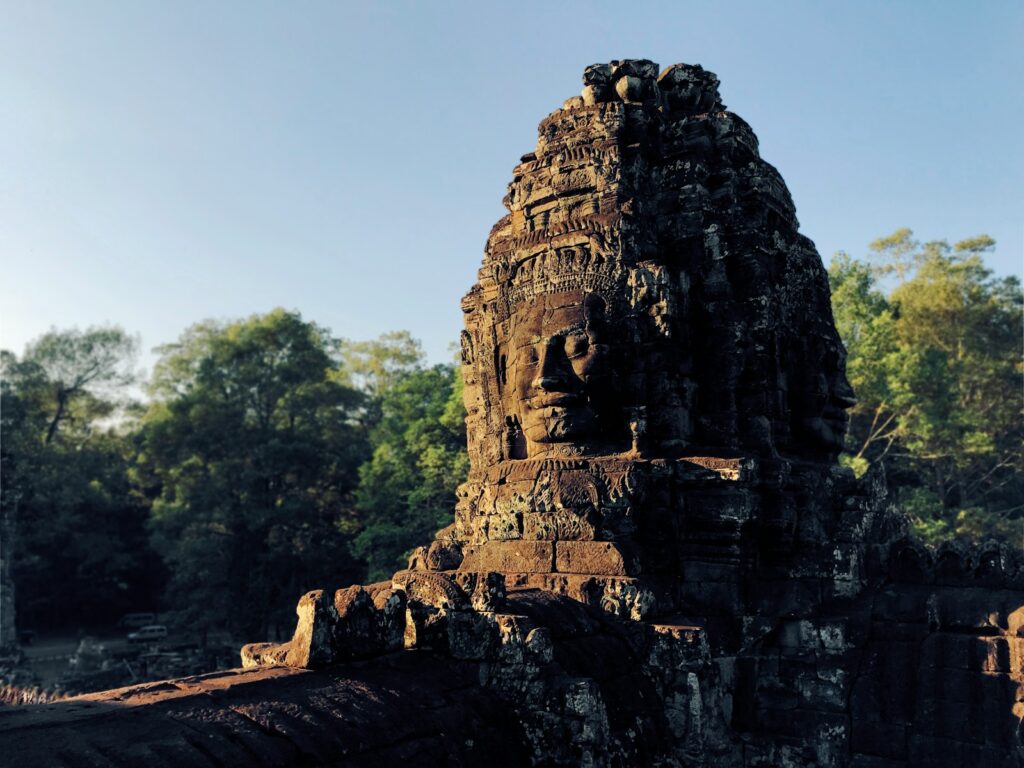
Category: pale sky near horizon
[166,162]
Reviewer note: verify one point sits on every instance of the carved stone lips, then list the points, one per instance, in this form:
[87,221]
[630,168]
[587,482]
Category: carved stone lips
[555,399]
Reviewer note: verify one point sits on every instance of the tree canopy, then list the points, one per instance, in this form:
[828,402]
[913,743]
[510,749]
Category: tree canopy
[934,343]
[271,458]
[250,455]
[407,487]
[77,526]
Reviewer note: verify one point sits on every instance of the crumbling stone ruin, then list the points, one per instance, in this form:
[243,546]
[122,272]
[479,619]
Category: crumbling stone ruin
[656,559]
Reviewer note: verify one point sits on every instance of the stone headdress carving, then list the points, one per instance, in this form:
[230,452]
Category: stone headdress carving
[646,192]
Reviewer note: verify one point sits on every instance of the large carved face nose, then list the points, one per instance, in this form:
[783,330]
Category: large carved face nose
[554,374]
[843,394]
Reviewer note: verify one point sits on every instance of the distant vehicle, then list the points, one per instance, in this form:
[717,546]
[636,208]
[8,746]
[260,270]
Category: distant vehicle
[148,634]
[136,620]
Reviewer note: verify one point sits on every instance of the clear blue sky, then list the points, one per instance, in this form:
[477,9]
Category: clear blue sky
[165,162]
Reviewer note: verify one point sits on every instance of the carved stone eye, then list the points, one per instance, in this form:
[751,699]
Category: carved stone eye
[576,345]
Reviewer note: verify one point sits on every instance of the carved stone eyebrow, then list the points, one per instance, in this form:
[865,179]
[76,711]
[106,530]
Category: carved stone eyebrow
[579,327]
[535,338]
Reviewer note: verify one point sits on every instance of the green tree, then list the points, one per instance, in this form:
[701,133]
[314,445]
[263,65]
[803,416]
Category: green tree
[80,553]
[867,325]
[75,375]
[936,363]
[407,488]
[251,457]
[376,366]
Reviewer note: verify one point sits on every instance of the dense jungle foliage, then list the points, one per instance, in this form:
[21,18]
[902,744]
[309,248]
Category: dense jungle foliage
[934,343]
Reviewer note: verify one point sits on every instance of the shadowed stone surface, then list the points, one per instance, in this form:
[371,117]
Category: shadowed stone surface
[655,559]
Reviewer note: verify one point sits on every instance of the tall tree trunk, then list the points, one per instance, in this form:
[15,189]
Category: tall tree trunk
[52,429]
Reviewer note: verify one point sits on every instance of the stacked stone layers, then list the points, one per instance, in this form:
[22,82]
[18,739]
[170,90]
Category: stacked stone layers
[646,193]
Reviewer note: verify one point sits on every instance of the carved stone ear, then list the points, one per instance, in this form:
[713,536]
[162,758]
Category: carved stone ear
[502,368]
[515,440]
[594,307]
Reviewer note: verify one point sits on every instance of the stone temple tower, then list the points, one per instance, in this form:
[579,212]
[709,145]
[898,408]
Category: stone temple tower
[654,383]
[656,398]
[656,559]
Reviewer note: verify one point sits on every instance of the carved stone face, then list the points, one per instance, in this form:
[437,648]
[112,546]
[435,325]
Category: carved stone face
[826,398]
[558,367]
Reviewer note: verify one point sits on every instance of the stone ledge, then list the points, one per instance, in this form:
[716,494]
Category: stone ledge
[407,708]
